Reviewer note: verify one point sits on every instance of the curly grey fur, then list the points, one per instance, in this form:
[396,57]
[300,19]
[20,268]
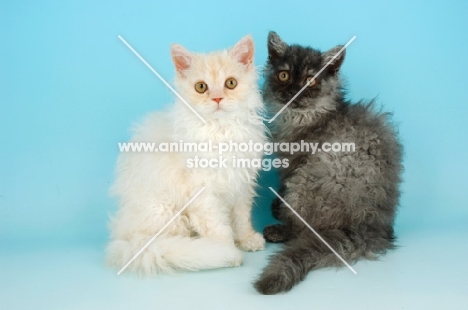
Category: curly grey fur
[349,198]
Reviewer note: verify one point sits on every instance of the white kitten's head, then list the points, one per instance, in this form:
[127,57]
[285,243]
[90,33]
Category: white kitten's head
[219,83]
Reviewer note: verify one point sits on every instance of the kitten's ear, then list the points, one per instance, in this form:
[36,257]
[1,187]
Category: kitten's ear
[243,51]
[336,63]
[276,46]
[181,57]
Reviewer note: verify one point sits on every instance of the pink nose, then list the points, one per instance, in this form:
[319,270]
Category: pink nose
[217,100]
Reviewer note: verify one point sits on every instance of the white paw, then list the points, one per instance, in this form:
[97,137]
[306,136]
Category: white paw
[237,260]
[235,263]
[252,243]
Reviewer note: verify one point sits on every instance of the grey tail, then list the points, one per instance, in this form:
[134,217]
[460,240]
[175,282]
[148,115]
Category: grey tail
[291,265]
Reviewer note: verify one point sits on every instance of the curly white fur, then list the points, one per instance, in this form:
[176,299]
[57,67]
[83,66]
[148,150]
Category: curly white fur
[153,187]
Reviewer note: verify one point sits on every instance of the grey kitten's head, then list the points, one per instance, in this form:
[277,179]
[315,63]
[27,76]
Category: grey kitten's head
[290,67]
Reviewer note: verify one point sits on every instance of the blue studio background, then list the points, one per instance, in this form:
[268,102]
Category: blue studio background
[70,90]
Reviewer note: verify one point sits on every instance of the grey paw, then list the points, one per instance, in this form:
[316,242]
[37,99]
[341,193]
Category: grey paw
[275,233]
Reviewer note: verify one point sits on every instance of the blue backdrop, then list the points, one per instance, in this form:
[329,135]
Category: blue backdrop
[70,90]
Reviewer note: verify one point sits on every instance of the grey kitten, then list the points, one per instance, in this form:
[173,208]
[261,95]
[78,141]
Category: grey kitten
[349,198]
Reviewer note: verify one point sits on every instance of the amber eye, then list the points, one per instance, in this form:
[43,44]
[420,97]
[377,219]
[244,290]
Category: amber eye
[283,76]
[201,87]
[231,83]
[313,83]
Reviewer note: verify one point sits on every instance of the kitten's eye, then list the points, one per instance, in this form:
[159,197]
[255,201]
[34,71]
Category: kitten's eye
[283,76]
[201,87]
[314,82]
[231,83]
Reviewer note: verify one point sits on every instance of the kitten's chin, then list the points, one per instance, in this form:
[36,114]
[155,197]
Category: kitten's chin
[224,110]
[322,105]
[300,105]
[280,103]
[217,113]
[294,105]
[291,108]
[218,110]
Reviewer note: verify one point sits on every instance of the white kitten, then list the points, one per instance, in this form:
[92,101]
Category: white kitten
[153,187]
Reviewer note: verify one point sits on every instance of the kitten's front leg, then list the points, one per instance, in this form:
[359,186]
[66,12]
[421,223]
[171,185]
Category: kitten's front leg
[276,208]
[246,237]
[209,218]
[291,225]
